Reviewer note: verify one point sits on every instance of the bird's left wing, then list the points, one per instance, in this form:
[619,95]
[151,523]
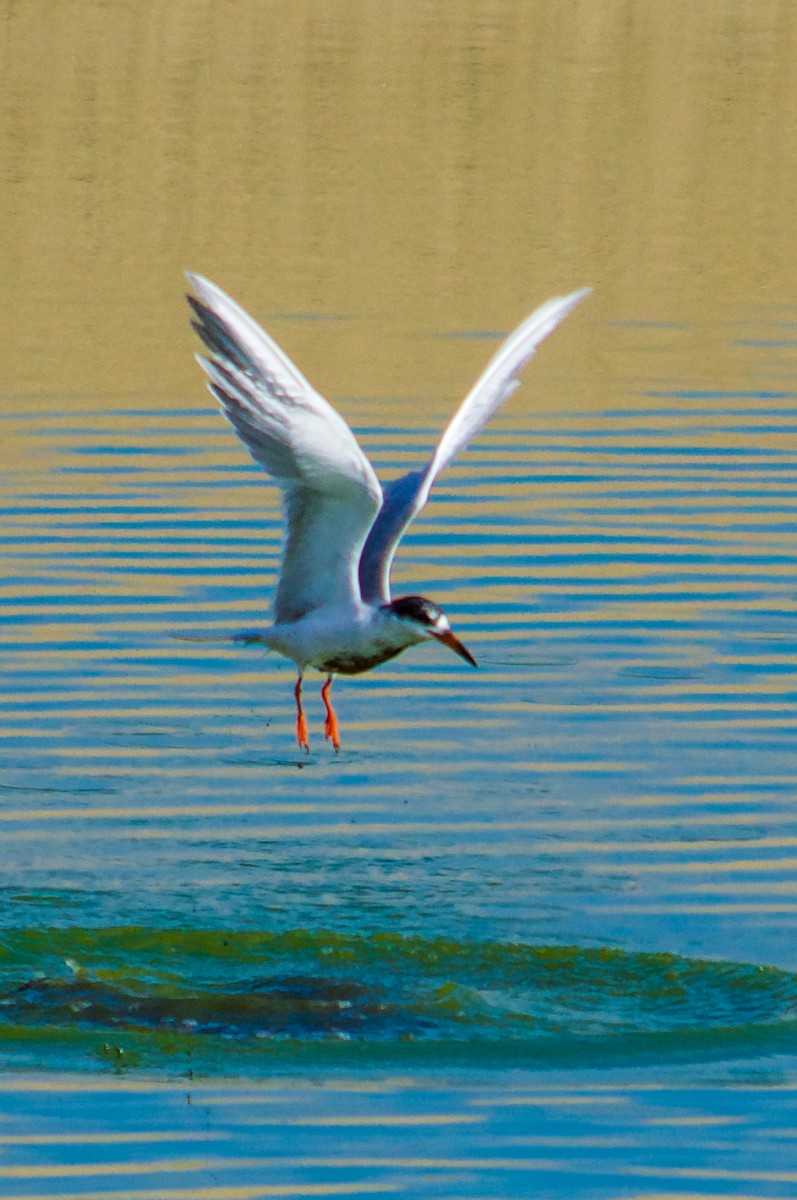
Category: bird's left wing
[329,489]
[405,497]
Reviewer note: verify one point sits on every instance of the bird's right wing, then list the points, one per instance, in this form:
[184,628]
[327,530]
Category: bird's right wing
[330,491]
[405,497]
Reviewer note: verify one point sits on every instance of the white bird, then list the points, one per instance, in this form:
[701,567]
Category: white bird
[333,610]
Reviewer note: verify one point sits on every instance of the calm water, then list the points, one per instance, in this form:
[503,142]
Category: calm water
[533,930]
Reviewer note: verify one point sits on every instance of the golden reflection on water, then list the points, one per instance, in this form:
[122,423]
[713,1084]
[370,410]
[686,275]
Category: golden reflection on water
[423,168]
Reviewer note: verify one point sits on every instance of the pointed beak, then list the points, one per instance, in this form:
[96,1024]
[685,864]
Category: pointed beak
[455,644]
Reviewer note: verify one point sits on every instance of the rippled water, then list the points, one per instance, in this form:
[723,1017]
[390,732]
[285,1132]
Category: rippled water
[620,766]
[577,858]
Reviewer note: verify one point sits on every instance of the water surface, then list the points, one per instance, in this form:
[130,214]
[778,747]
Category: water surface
[532,930]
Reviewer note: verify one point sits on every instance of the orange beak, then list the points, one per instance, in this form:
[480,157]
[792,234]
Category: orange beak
[455,644]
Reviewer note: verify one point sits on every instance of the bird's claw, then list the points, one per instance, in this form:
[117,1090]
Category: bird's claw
[331,732]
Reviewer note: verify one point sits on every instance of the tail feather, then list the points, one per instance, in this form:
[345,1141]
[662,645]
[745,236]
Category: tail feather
[247,637]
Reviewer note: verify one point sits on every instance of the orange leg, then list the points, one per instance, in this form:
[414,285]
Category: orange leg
[301,719]
[330,721]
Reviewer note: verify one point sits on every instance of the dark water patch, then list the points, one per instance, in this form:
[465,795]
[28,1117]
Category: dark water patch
[253,995]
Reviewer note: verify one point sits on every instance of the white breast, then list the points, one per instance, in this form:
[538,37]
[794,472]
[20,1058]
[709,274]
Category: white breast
[346,640]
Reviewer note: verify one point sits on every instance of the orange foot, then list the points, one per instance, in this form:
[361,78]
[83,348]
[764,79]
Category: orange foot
[330,721]
[301,719]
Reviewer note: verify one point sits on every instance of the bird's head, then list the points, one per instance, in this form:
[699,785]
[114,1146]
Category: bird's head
[427,620]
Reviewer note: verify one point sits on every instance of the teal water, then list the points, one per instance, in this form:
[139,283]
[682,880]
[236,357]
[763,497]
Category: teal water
[218,1001]
[386,1134]
[531,929]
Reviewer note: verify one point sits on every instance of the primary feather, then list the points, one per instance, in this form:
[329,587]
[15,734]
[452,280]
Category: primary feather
[405,497]
[342,528]
[329,489]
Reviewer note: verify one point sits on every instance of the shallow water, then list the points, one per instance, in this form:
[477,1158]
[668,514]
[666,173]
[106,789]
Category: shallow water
[565,878]
[532,930]
[251,1001]
[618,772]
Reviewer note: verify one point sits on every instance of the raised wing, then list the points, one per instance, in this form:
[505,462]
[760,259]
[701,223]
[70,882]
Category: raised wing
[405,497]
[329,489]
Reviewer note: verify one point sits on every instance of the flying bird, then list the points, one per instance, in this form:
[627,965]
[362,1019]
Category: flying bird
[333,610]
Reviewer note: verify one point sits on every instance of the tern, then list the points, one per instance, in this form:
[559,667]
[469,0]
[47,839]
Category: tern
[333,609]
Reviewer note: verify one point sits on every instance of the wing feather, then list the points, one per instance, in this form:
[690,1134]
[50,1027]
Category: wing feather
[405,497]
[329,489]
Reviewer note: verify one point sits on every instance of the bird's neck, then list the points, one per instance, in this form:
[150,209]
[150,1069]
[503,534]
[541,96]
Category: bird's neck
[392,630]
